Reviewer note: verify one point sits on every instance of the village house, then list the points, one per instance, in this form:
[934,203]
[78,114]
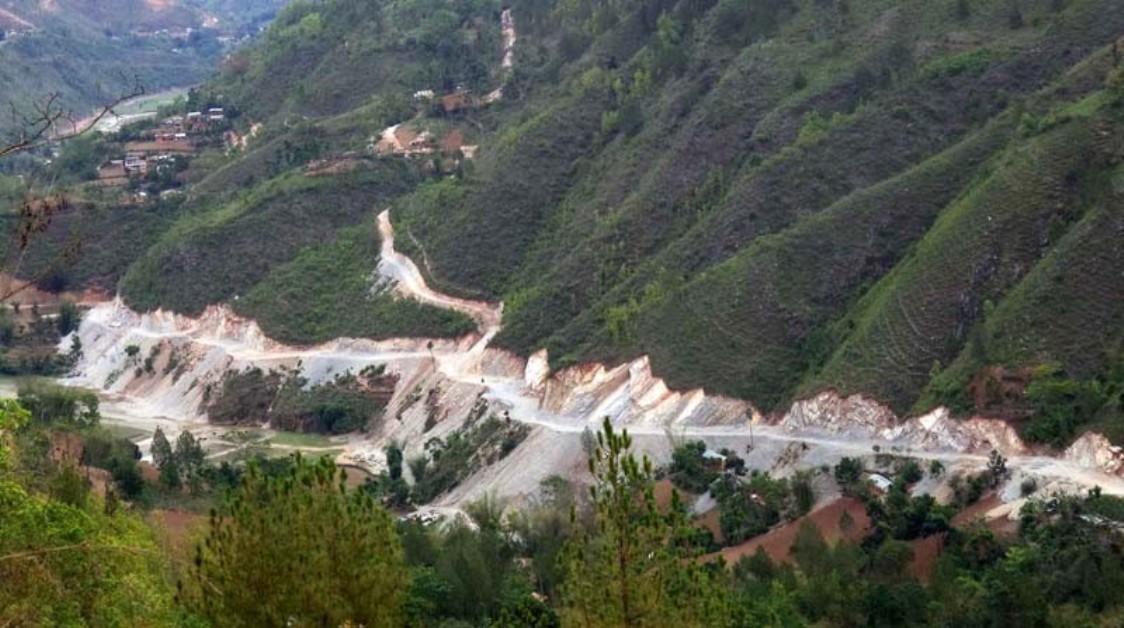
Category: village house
[880,482]
[714,461]
[135,163]
[113,173]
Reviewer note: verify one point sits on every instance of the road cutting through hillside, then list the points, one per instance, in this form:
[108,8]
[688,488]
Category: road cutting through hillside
[526,408]
[402,270]
[560,406]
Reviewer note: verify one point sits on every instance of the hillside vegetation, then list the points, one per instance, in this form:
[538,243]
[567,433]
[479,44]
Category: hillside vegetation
[773,198]
[92,51]
[912,199]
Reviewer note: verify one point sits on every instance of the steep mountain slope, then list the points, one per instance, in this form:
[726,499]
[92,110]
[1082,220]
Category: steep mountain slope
[769,198]
[728,235]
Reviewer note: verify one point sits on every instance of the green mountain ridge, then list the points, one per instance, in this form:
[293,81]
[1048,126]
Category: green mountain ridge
[769,198]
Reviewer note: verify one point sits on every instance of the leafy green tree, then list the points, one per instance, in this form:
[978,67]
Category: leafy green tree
[542,529]
[688,470]
[803,495]
[68,563]
[51,404]
[394,458]
[118,456]
[69,318]
[634,566]
[69,487]
[848,472]
[749,509]
[189,453]
[299,550]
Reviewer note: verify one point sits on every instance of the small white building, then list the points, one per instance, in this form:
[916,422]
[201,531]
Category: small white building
[879,481]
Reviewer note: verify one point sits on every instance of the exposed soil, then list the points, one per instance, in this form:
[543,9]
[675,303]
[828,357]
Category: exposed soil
[711,521]
[559,406]
[926,551]
[777,541]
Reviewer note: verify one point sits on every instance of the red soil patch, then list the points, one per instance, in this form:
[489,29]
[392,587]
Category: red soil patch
[777,541]
[100,480]
[662,492]
[710,520]
[1002,527]
[977,510]
[149,472]
[67,447]
[925,554]
[453,141]
[404,135]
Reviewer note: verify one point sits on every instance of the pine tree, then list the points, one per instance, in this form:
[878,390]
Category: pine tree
[161,449]
[636,566]
[297,550]
[189,453]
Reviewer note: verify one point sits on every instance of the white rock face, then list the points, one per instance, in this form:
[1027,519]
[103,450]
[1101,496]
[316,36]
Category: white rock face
[857,416]
[1094,452]
[444,384]
[537,371]
[832,412]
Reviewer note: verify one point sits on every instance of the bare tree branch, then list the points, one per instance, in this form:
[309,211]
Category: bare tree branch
[85,546]
[48,120]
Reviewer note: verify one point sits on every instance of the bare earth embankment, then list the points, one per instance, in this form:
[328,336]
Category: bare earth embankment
[442,381]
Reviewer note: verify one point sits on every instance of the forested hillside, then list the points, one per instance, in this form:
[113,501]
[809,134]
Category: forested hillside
[771,198]
[919,200]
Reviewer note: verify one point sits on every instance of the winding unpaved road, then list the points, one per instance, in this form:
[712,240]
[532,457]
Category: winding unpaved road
[402,270]
[526,408]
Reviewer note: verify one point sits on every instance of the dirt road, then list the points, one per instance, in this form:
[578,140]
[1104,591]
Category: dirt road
[402,270]
[511,392]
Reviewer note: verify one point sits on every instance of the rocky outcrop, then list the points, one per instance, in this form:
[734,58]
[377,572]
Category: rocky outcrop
[1094,452]
[858,417]
[630,394]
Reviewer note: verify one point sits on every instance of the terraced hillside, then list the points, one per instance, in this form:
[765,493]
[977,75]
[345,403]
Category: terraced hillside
[919,200]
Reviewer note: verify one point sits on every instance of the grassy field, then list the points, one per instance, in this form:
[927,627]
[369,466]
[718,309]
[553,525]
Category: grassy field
[330,291]
[150,103]
[300,440]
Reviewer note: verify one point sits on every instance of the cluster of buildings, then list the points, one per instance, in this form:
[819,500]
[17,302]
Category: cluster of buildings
[117,172]
[405,140]
[194,122]
[160,147]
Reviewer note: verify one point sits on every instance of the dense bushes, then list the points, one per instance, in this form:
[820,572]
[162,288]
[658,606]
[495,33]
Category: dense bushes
[222,250]
[1061,406]
[286,401]
[747,509]
[329,291]
[51,404]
